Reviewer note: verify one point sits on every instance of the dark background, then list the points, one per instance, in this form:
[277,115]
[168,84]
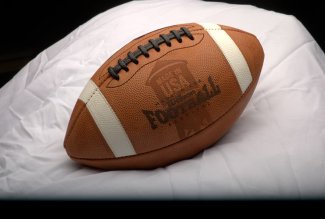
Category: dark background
[28,27]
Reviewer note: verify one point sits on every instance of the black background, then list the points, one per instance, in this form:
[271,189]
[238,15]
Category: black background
[28,27]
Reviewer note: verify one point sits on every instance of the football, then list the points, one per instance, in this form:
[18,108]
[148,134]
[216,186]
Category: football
[164,97]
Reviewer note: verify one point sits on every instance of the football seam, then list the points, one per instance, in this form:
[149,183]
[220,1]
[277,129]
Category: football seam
[170,145]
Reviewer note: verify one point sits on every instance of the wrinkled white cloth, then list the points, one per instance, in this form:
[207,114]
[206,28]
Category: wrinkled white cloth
[276,149]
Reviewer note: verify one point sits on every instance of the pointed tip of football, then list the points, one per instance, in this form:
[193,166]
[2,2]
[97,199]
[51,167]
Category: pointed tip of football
[250,47]
[83,139]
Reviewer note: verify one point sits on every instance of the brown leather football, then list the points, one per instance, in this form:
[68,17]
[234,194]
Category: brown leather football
[164,97]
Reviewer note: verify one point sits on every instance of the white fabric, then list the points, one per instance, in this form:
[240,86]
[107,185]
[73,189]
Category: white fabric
[276,149]
[107,121]
[232,53]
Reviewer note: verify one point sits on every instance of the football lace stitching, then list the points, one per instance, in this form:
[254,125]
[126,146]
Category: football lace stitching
[143,50]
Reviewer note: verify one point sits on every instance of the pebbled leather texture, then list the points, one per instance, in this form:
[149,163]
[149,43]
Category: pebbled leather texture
[172,105]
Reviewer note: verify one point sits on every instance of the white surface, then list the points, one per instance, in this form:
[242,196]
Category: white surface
[232,53]
[276,149]
[107,121]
